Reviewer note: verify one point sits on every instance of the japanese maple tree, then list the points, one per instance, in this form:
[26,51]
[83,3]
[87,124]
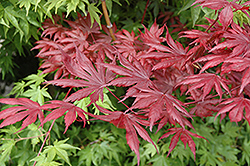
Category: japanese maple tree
[213,71]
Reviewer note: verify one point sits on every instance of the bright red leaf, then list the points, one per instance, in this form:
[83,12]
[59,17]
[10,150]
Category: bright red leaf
[206,81]
[235,107]
[184,135]
[28,110]
[92,79]
[131,123]
[61,108]
[162,107]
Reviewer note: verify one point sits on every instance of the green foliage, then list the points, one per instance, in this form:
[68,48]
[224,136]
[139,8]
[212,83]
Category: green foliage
[30,87]
[20,19]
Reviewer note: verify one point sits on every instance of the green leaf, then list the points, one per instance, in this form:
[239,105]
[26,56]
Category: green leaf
[117,1]
[26,4]
[5,150]
[37,94]
[149,149]
[83,103]
[59,148]
[159,160]
[207,157]
[186,5]
[195,12]
[246,151]
[82,6]
[51,152]
[109,5]
[87,155]
[93,12]
[2,21]
[72,6]
[230,130]
[36,78]
[26,29]
[35,2]
[32,19]
[9,15]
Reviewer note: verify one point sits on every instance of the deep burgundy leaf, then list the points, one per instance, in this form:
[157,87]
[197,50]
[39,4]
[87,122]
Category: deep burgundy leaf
[134,73]
[238,39]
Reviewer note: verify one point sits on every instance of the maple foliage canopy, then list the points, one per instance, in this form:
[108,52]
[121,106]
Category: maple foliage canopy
[213,72]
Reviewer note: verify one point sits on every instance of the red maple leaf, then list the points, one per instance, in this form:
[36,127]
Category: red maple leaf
[235,107]
[133,71]
[205,108]
[62,107]
[236,38]
[92,79]
[53,29]
[162,107]
[185,137]
[213,60]
[206,81]
[239,64]
[127,43]
[84,24]
[28,110]
[174,55]
[153,35]
[131,123]
[75,37]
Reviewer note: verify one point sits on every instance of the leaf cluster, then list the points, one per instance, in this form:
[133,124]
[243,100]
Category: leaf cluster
[211,74]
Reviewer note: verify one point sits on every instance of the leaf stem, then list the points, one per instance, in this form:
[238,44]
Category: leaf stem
[67,93]
[47,134]
[144,11]
[109,25]
[213,22]
[117,98]
[20,138]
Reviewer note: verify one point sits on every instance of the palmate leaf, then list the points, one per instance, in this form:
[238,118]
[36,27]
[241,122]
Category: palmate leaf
[205,108]
[131,123]
[175,56]
[239,64]
[62,107]
[206,81]
[185,137]
[92,79]
[133,71]
[238,39]
[160,106]
[153,35]
[28,110]
[235,107]
[212,60]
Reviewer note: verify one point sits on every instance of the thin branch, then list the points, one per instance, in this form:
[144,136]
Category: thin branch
[109,25]
[47,134]
[144,12]
[213,22]
[20,139]
[117,98]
